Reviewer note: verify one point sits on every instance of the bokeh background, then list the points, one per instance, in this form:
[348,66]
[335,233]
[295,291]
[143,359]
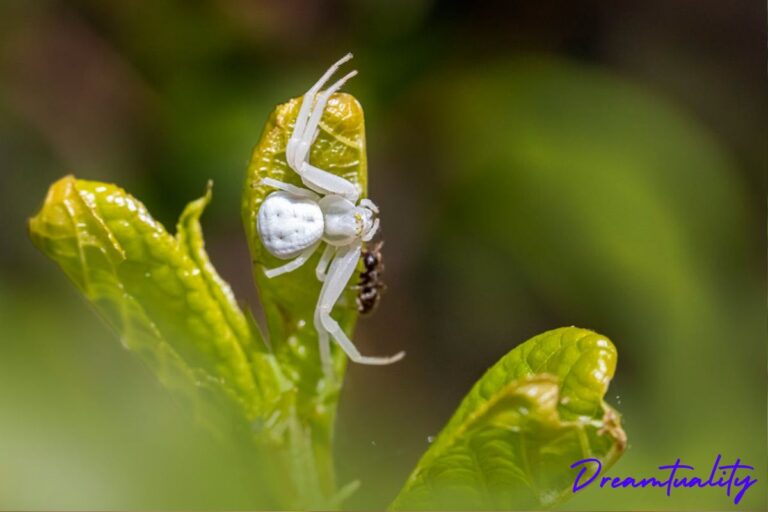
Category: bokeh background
[597,164]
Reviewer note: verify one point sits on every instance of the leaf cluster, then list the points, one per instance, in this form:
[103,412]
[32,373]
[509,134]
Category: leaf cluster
[510,443]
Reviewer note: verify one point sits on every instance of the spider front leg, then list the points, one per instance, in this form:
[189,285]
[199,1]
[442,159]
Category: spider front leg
[291,189]
[342,268]
[295,148]
[304,133]
[327,183]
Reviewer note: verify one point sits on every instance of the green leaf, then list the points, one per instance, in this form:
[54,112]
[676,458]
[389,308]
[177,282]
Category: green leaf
[512,440]
[162,295]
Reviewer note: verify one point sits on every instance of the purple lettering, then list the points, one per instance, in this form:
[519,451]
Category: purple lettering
[576,486]
[734,468]
[674,467]
[731,480]
[745,484]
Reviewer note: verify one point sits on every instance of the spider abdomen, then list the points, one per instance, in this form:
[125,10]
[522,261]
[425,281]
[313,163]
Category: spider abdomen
[288,224]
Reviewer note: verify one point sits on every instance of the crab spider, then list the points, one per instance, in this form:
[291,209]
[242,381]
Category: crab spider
[293,222]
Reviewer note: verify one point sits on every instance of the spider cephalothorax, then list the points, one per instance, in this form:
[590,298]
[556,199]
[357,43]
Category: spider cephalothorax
[294,221]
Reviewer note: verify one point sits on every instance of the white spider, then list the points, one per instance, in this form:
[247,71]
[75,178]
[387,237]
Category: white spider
[294,221]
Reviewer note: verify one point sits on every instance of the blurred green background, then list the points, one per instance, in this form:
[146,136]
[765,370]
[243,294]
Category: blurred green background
[537,166]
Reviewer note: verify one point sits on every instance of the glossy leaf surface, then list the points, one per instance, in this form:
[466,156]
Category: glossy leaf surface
[159,292]
[513,439]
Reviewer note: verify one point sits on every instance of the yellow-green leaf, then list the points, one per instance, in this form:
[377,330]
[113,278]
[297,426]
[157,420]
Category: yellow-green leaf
[159,292]
[512,440]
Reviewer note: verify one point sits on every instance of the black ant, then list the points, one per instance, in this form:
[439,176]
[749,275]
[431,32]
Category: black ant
[370,285]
